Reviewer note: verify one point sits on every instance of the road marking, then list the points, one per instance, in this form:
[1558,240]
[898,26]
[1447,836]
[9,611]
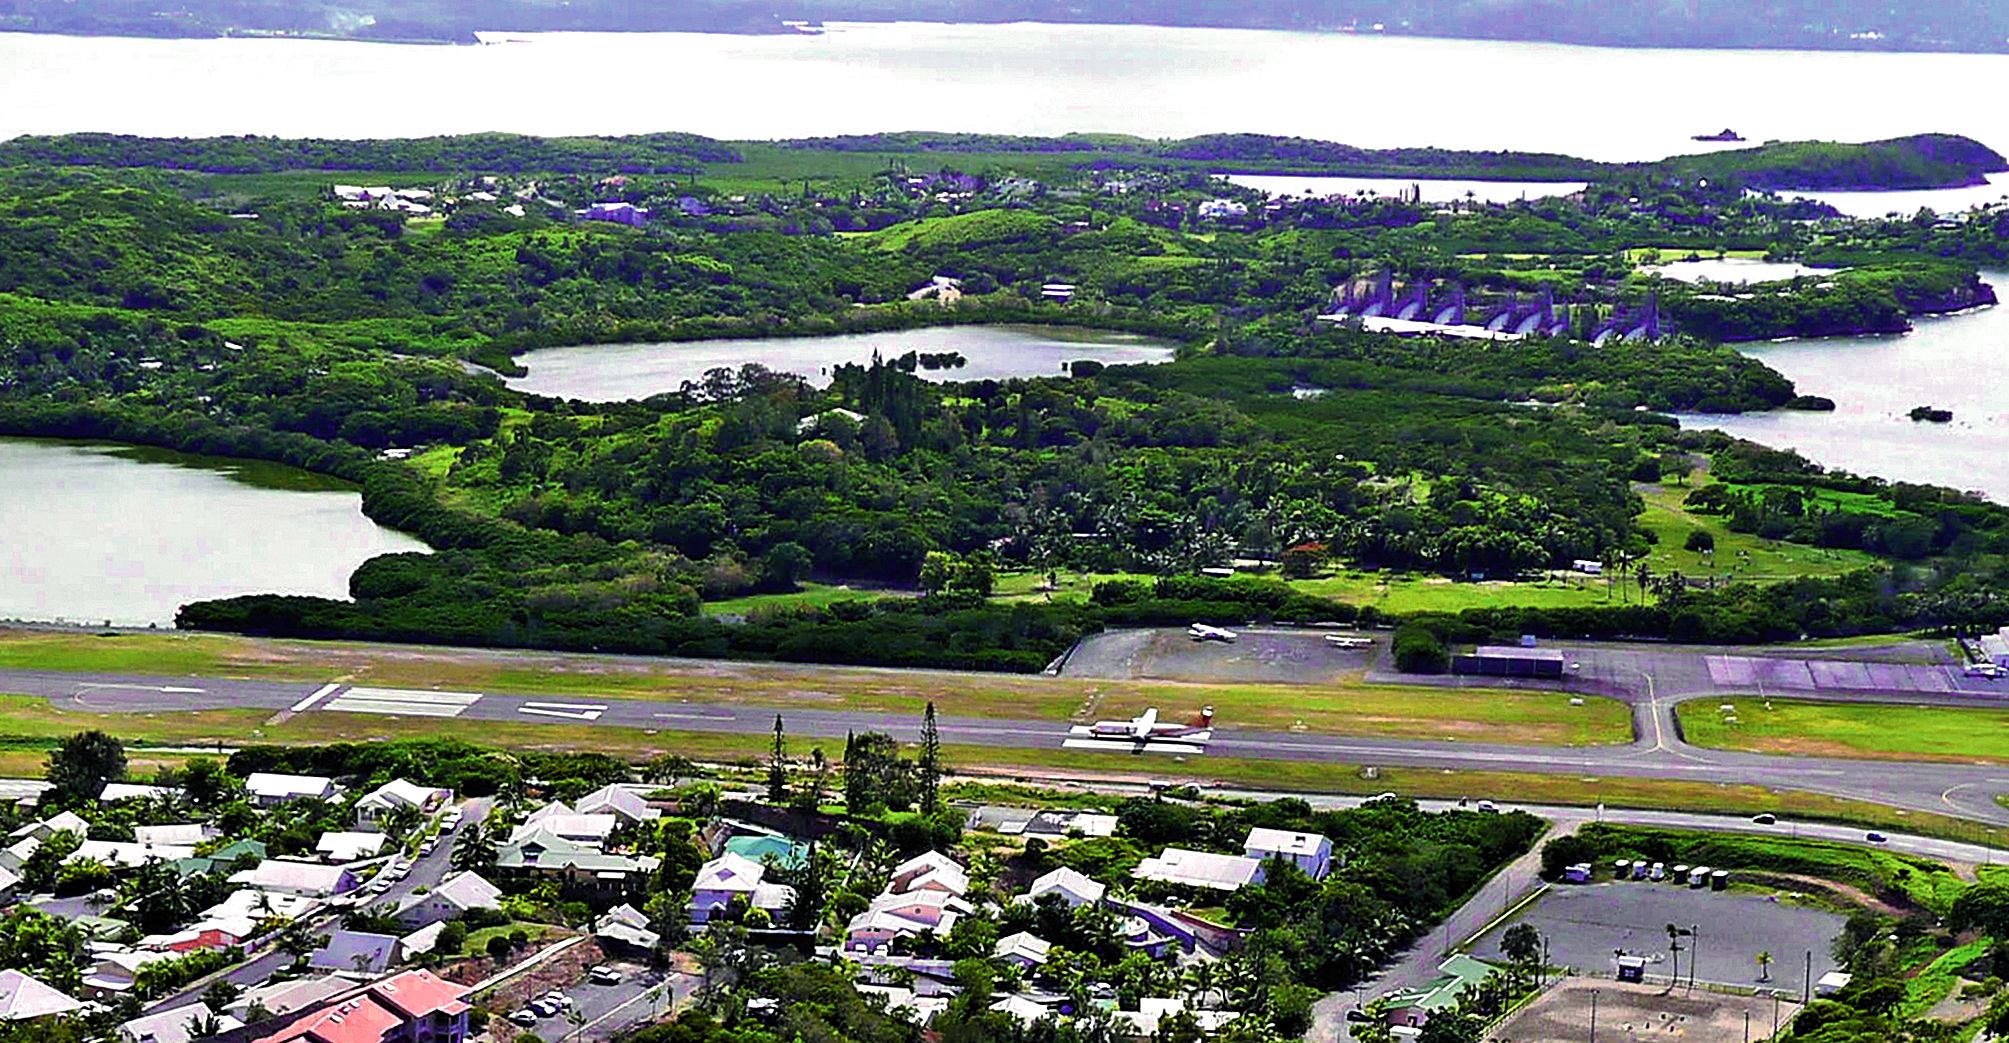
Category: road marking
[323,692]
[568,711]
[403,702]
[698,716]
[169,689]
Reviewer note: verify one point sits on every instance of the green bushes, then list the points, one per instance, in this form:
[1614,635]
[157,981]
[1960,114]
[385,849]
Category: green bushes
[1419,650]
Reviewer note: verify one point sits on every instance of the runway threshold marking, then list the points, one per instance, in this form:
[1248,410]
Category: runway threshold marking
[403,702]
[321,693]
[568,711]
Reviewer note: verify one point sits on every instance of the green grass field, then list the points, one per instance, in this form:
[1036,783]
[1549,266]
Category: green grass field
[1737,555]
[815,595]
[1867,730]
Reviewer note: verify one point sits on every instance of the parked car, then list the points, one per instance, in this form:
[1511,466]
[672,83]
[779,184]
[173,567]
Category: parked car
[1487,805]
[1876,838]
[523,1016]
[427,847]
[604,975]
[1765,819]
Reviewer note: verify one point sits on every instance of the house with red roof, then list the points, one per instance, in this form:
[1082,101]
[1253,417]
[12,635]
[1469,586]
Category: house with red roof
[413,1007]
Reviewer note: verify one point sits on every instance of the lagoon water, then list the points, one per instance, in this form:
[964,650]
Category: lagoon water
[1435,190]
[1875,381]
[100,533]
[615,372]
[1366,90]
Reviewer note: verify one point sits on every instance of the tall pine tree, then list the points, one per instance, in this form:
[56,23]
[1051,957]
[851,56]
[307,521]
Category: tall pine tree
[931,762]
[777,767]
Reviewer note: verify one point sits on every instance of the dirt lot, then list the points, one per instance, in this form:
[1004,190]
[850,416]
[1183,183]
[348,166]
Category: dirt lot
[1257,657]
[1639,1013]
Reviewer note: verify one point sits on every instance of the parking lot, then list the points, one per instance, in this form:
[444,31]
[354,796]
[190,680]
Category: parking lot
[603,1009]
[1585,924]
[1255,657]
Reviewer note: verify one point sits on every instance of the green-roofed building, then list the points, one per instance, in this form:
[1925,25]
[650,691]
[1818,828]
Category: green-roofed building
[1415,1006]
[779,851]
[222,859]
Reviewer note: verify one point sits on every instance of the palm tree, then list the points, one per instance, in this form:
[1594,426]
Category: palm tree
[1764,966]
[474,849]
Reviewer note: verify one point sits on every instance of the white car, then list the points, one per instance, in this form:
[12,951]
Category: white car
[604,976]
[427,847]
[523,1016]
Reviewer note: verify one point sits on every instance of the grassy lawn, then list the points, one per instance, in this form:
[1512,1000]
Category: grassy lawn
[1882,731]
[812,594]
[477,940]
[1738,555]
[1343,709]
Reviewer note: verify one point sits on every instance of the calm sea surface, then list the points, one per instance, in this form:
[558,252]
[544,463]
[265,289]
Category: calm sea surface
[614,372]
[97,532]
[1875,381]
[1023,79]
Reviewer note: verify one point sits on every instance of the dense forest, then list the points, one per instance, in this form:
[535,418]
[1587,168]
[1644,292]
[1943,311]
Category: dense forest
[1929,25]
[227,297]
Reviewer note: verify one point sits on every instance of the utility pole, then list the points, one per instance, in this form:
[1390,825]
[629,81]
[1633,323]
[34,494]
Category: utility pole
[1593,1016]
[1747,1027]
[1694,952]
[1807,987]
[1775,1015]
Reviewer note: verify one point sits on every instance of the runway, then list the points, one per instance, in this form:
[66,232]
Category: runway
[1652,682]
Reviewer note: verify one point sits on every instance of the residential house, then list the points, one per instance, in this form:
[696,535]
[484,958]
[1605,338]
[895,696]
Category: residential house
[396,795]
[267,789]
[308,879]
[186,834]
[118,791]
[24,997]
[115,972]
[617,800]
[207,933]
[1178,865]
[626,926]
[1152,1011]
[222,858]
[892,916]
[1308,851]
[1074,888]
[580,869]
[125,854]
[355,952]
[422,941]
[731,876]
[1025,949]
[261,905]
[456,896]
[280,998]
[1024,1009]
[1413,1007]
[930,871]
[618,212]
[344,847]
[413,1007]
[16,854]
[10,885]
[62,822]
[175,1026]
[561,821]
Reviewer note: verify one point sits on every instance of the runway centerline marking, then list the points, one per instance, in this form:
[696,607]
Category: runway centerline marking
[568,711]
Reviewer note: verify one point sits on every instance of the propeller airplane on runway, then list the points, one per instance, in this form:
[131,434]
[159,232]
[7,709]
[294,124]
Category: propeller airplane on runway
[1144,734]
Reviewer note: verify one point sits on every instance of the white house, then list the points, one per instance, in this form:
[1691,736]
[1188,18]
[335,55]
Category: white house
[1178,865]
[342,847]
[260,905]
[185,834]
[307,879]
[123,854]
[729,876]
[617,800]
[455,897]
[560,820]
[1024,948]
[1308,851]
[932,871]
[24,997]
[173,1026]
[1075,888]
[267,789]
[118,791]
[63,822]
[386,799]
[116,972]
[285,997]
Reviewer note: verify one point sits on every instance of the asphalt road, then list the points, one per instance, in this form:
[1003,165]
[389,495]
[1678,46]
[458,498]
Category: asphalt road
[1649,678]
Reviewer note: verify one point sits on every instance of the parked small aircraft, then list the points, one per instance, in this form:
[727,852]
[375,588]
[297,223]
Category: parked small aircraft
[1203,632]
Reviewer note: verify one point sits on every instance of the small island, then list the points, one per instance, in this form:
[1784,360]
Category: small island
[1931,414]
[1726,134]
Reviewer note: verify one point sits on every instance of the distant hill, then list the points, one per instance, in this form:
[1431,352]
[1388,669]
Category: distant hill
[1915,25]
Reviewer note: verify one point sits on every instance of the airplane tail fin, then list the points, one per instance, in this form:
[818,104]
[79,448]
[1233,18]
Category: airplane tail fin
[1206,718]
